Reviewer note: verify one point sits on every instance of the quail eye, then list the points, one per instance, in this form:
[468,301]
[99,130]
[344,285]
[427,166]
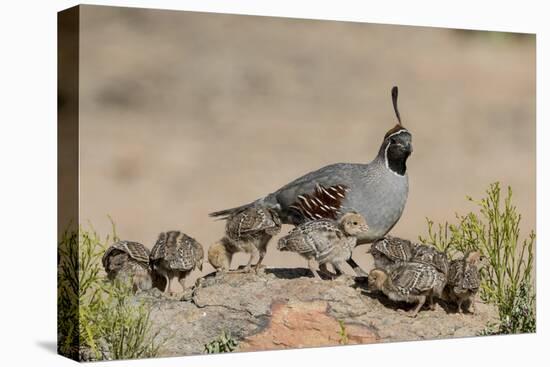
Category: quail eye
[393,141]
[354,223]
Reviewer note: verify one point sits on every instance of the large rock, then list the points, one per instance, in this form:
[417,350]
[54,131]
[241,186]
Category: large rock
[287,308]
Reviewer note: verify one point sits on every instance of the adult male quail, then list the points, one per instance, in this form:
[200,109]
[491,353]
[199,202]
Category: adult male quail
[410,282]
[391,252]
[463,280]
[175,254]
[377,190]
[128,261]
[250,231]
[325,241]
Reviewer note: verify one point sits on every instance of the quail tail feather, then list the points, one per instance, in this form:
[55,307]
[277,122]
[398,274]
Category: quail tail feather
[226,213]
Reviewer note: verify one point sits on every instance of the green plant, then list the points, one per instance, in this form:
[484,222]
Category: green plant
[222,344]
[506,280]
[94,315]
[343,333]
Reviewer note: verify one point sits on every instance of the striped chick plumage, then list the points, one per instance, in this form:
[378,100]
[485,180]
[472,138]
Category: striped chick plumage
[176,254]
[463,280]
[249,231]
[128,261]
[325,241]
[410,282]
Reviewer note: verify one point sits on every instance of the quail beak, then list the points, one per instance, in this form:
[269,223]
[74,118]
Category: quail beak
[200,266]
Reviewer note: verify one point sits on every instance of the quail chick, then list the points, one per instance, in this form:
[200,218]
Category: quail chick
[391,252]
[377,190]
[430,255]
[410,282]
[175,254]
[128,261]
[221,253]
[325,241]
[463,280]
[249,231]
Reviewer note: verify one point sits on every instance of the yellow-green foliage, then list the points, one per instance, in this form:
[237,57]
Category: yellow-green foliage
[222,344]
[506,280]
[343,333]
[95,315]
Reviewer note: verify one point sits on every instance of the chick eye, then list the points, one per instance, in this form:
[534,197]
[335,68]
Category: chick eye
[354,223]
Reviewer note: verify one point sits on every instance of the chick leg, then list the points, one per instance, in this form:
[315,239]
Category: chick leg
[473,302]
[259,263]
[181,279]
[421,301]
[324,270]
[431,302]
[459,305]
[356,268]
[168,288]
[311,265]
[248,266]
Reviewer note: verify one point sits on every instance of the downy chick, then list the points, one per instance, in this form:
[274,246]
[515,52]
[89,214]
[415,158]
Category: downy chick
[325,241]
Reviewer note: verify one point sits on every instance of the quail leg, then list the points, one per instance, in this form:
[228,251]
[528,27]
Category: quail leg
[259,263]
[311,265]
[167,285]
[459,306]
[168,289]
[473,302]
[324,270]
[248,266]
[421,301]
[339,268]
[181,279]
[356,268]
[431,302]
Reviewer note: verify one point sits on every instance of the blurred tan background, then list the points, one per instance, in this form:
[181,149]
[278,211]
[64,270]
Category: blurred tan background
[186,113]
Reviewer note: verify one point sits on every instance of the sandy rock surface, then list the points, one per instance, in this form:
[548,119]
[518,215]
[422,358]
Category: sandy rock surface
[288,308]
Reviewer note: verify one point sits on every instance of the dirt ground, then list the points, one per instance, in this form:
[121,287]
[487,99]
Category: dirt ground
[186,113]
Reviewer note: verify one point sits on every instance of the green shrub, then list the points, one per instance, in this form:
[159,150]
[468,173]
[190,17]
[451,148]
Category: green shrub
[222,344]
[506,280]
[95,316]
[343,333]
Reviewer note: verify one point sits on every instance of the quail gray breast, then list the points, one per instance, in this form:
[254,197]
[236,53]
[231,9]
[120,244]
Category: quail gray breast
[377,190]
[463,280]
[249,231]
[325,241]
[128,261]
[410,282]
[176,254]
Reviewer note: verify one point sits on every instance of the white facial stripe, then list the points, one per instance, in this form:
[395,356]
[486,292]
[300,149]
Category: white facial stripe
[398,132]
